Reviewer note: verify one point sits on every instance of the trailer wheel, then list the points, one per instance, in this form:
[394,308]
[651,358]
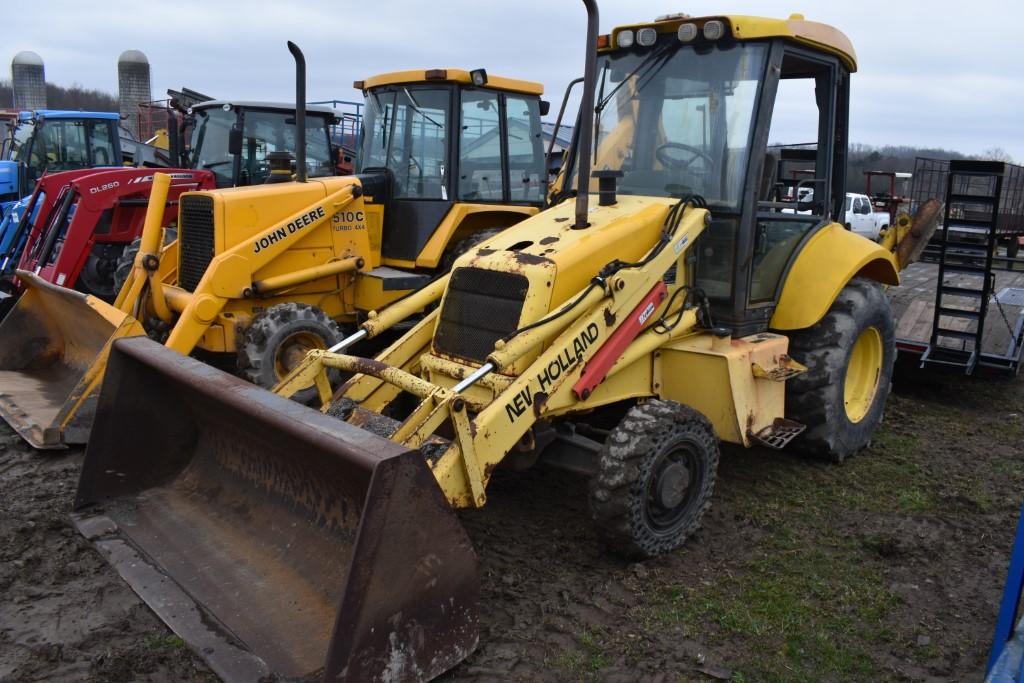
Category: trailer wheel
[849,355]
[656,473]
[126,261]
[278,340]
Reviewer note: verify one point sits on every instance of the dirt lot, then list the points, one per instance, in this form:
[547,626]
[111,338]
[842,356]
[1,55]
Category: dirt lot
[887,568]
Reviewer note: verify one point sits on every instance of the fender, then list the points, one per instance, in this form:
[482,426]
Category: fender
[829,260]
[482,215]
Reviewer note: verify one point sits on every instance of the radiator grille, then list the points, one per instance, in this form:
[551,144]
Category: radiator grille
[480,307]
[195,240]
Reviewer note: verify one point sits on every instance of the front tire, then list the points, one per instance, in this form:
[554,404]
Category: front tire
[656,473]
[278,340]
[849,356]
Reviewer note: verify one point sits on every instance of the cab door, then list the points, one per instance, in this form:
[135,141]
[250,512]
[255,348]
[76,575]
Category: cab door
[416,149]
[804,135]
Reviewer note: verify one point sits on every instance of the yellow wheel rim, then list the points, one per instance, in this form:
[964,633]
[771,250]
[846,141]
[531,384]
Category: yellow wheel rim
[862,373]
[292,351]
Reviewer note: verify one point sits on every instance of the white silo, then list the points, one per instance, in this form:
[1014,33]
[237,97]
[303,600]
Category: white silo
[29,81]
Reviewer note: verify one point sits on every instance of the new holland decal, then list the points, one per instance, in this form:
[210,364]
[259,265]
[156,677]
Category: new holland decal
[569,357]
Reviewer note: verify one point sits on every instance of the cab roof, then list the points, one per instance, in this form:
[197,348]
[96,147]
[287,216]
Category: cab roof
[449,76]
[252,104]
[810,33]
[68,114]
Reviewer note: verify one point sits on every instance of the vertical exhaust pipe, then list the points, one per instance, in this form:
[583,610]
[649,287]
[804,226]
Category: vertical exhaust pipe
[300,112]
[586,138]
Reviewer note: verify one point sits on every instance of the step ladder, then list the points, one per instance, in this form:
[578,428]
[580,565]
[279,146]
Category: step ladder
[967,245]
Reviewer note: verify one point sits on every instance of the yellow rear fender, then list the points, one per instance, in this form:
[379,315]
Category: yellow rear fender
[829,260]
[465,219]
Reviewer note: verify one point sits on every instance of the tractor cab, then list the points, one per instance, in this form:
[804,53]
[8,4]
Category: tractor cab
[49,140]
[698,106]
[234,139]
[434,139]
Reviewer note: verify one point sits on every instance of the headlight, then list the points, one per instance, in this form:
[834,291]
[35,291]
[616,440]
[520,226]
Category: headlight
[714,29]
[687,32]
[624,39]
[647,37]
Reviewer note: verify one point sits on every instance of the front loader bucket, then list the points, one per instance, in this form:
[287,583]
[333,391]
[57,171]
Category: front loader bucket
[274,539]
[53,348]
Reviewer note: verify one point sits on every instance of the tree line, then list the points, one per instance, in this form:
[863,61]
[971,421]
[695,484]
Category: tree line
[74,97]
[900,158]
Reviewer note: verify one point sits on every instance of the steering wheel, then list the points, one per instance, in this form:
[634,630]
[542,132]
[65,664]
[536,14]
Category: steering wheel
[677,164]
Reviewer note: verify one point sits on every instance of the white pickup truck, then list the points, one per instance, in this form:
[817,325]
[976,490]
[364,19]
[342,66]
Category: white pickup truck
[862,218]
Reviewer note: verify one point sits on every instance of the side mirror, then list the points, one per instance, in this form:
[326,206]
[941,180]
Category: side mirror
[545,107]
[235,140]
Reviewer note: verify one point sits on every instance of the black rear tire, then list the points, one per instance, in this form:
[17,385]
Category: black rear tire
[126,261]
[277,341]
[463,246]
[840,420]
[656,473]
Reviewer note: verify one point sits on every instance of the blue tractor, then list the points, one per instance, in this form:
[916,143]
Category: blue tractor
[49,140]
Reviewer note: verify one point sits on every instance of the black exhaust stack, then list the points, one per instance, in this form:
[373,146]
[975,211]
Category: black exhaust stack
[586,137]
[300,112]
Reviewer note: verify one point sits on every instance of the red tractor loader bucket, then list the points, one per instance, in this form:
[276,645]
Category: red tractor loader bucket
[272,538]
[52,344]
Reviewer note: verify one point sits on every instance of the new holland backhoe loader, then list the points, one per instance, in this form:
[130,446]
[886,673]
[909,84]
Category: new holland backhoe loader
[263,274]
[677,302]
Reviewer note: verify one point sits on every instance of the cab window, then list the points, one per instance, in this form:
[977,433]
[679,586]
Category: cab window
[264,132]
[209,145]
[525,149]
[101,144]
[480,169]
[801,151]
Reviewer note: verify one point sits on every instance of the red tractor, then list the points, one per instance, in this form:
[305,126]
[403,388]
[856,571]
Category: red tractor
[86,219]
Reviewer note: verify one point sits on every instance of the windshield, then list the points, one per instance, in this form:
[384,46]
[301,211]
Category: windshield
[406,131]
[676,119]
[264,132]
[64,145]
[209,145]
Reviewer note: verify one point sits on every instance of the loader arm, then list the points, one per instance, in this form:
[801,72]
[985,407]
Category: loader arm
[604,327]
[230,274]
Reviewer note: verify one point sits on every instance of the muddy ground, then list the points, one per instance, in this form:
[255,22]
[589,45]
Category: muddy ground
[889,567]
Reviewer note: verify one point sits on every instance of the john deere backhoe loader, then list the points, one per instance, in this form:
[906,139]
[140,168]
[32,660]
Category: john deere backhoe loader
[263,274]
[677,302]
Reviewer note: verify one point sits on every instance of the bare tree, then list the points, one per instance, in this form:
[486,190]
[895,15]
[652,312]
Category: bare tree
[997,154]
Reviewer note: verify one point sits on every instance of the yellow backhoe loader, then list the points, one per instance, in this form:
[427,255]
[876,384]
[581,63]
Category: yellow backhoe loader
[263,274]
[686,296]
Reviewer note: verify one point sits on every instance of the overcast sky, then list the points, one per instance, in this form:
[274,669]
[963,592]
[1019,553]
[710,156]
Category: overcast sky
[930,74]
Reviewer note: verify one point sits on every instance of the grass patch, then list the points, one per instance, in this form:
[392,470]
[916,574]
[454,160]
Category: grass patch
[170,642]
[796,608]
[583,664]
